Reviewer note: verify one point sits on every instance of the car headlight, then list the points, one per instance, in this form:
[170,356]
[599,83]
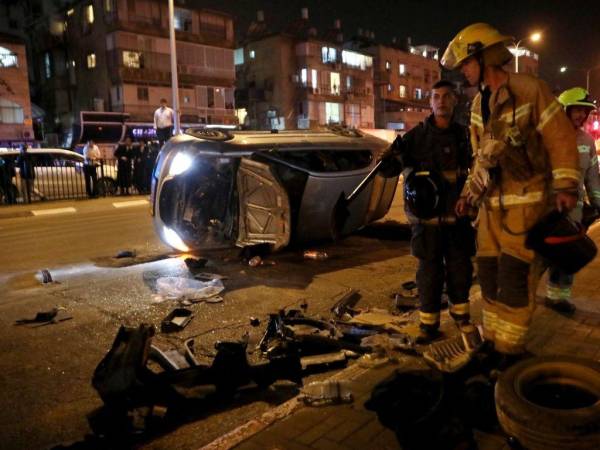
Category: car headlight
[181,162]
[173,239]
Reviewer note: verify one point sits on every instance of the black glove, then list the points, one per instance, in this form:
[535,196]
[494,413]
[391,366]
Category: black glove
[391,160]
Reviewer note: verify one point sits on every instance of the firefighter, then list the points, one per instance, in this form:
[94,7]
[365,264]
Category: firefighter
[525,164]
[435,157]
[578,107]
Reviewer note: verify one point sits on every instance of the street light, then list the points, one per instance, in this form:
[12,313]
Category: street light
[533,37]
[563,69]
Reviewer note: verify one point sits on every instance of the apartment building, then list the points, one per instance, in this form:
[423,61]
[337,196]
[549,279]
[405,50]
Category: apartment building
[114,56]
[299,78]
[403,77]
[15,107]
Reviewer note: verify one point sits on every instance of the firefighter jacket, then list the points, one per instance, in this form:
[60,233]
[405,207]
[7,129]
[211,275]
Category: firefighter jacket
[590,174]
[444,151]
[526,143]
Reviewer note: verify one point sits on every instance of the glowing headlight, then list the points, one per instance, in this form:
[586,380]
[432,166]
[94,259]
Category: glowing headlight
[181,162]
[173,239]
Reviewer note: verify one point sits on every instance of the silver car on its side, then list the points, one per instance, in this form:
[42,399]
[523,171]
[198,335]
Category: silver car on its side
[215,189]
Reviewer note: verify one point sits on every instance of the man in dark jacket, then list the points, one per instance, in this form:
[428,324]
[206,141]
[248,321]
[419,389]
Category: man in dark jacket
[124,154]
[435,157]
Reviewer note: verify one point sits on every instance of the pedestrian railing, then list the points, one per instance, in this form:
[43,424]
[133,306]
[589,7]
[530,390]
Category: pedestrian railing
[61,179]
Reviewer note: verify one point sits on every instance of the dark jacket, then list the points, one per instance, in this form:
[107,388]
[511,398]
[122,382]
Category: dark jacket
[444,151]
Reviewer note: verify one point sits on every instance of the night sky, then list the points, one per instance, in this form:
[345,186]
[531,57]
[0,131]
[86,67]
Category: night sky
[571,28]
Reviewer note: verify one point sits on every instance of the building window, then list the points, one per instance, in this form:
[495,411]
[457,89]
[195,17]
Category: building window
[356,60]
[10,112]
[388,65]
[70,12]
[88,18]
[186,99]
[390,87]
[402,91]
[91,60]
[418,94]
[252,54]
[332,112]
[142,94]
[182,20]
[304,76]
[109,6]
[313,78]
[132,59]
[348,82]
[402,69]
[47,65]
[238,56]
[334,83]
[328,54]
[210,97]
[7,58]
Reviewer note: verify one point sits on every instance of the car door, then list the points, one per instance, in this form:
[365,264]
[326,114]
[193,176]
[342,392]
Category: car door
[264,207]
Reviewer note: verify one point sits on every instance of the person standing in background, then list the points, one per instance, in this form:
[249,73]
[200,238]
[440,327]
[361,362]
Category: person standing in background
[91,155]
[164,118]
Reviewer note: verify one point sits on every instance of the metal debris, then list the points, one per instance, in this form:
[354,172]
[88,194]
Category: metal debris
[327,392]
[452,354]
[177,320]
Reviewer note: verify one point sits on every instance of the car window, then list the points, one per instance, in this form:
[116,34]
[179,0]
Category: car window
[325,160]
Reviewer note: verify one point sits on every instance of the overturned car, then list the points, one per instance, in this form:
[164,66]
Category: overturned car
[215,189]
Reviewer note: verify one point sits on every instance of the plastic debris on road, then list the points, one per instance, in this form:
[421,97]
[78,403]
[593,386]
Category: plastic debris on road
[175,288]
[327,392]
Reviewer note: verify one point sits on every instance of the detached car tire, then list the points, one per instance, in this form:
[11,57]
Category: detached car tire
[551,402]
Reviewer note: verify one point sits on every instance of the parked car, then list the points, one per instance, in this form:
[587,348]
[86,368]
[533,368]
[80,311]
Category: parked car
[215,189]
[59,174]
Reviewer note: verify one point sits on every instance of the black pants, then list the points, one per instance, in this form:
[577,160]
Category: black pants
[164,134]
[91,180]
[444,253]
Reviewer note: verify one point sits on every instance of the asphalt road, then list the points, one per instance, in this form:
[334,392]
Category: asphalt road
[45,372]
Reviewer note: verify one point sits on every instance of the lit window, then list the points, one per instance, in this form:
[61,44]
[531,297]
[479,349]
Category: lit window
[357,60]
[402,91]
[303,76]
[313,74]
[186,99]
[70,12]
[10,112]
[182,20]
[390,87]
[7,58]
[328,54]
[109,5]
[252,54]
[332,112]
[348,82]
[91,60]
[47,65]
[89,14]
[388,65]
[334,83]
[132,59]
[402,69]
[418,93]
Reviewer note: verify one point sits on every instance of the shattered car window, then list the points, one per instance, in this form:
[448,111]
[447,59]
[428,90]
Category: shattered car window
[325,160]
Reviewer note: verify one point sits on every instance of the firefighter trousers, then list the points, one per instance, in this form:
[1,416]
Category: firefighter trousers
[444,253]
[508,273]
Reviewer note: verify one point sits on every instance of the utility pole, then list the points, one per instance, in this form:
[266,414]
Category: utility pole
[174,80]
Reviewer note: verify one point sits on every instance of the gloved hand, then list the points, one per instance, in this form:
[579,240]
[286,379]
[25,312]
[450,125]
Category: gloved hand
[490,153]
[477,184]
[391,159]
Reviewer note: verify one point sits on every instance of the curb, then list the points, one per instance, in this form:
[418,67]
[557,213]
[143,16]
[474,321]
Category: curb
[286,409]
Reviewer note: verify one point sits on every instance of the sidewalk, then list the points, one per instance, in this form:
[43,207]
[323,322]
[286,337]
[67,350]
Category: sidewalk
[72,206]
[351,426]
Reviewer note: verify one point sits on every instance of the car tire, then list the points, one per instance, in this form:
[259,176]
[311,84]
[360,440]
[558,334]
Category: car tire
[551,402]
[106,186]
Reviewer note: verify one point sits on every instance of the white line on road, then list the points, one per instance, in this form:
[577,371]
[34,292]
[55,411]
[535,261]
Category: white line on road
[130,203]
[45,212]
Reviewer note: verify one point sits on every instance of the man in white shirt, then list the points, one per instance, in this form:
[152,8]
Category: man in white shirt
[163,122]
[91,159]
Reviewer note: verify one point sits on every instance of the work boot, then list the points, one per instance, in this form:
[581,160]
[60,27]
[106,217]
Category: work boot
[562,306]
[428,333]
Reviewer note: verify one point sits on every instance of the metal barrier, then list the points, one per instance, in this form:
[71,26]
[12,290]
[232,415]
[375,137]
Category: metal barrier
[62,179]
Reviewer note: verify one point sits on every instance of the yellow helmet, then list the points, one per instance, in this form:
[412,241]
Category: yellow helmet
[474,39]
[576,96]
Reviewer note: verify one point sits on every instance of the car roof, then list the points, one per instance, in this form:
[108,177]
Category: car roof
[244,141]
[40,151]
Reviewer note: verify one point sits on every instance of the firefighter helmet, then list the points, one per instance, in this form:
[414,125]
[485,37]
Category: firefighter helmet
[473,39]
[576,96]
[422,190]
[561,241]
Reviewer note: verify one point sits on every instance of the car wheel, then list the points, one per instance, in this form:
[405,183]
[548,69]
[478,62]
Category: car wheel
[107,186]
[551,402]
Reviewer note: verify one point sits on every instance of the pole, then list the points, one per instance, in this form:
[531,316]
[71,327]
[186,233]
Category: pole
[517,55]
[174,81]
